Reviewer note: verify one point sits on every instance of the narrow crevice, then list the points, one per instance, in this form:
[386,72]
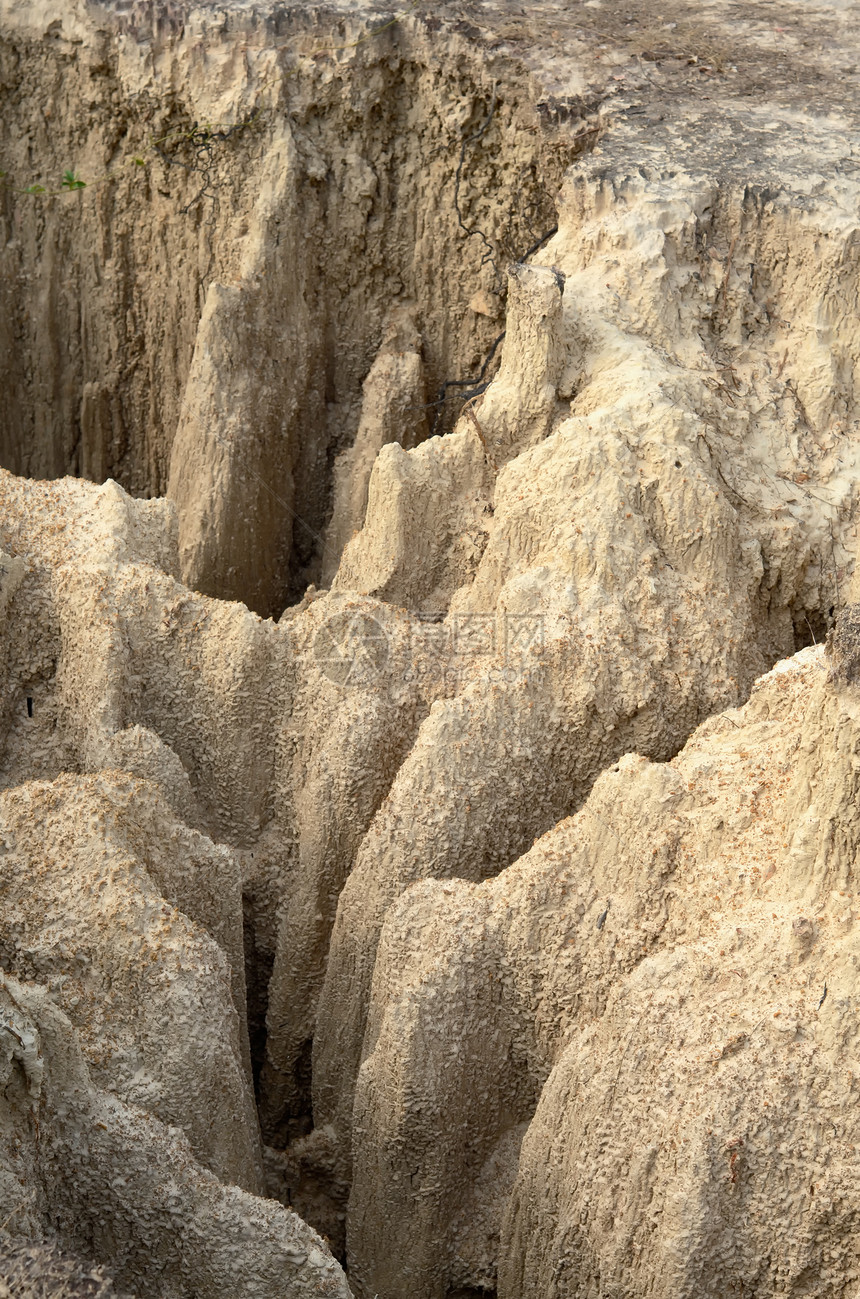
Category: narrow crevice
[258,972]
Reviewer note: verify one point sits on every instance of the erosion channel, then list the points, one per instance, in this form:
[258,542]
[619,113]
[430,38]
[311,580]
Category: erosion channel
[429,649]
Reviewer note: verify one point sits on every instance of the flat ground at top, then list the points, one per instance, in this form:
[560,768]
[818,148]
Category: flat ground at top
[801,55]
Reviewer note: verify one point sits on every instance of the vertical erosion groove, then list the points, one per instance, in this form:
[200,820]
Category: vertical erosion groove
[217,292]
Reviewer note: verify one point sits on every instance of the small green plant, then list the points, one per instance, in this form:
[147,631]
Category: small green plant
[197,142]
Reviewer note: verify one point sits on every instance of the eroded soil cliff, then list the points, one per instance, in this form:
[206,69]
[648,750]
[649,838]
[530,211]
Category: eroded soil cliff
[427,815]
